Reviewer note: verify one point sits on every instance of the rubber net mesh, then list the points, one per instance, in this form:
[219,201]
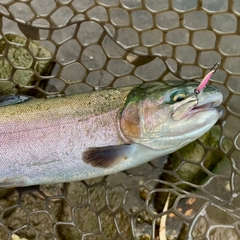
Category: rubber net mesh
[57,47]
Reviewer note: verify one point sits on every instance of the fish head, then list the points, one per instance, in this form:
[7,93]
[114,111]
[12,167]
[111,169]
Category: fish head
[166,117]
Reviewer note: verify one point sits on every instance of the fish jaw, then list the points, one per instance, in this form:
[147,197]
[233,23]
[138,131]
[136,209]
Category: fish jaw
[206,101]
[198,118]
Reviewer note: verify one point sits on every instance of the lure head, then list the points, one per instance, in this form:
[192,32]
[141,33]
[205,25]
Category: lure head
[163,117]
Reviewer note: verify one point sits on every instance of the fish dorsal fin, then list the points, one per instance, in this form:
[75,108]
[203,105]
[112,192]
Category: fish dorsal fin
[105,157]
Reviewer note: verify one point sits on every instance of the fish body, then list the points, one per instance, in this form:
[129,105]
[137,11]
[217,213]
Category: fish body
[45,141]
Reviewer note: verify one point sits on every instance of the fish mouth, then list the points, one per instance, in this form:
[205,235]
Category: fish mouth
[210,102]
[202,103]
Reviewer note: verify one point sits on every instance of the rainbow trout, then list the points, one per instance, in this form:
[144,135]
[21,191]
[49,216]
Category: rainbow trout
[45,141]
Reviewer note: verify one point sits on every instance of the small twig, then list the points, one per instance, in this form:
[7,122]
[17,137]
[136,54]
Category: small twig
[162,228]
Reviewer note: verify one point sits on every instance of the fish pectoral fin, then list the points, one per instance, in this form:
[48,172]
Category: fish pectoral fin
[105,157]
[13,99]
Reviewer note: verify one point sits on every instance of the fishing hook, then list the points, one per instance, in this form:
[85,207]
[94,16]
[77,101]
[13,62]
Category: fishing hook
[205,80]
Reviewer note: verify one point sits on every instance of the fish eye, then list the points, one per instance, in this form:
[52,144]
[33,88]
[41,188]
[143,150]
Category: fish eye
[179,97]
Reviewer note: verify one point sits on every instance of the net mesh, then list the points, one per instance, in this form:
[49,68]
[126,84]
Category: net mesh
[58,47]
